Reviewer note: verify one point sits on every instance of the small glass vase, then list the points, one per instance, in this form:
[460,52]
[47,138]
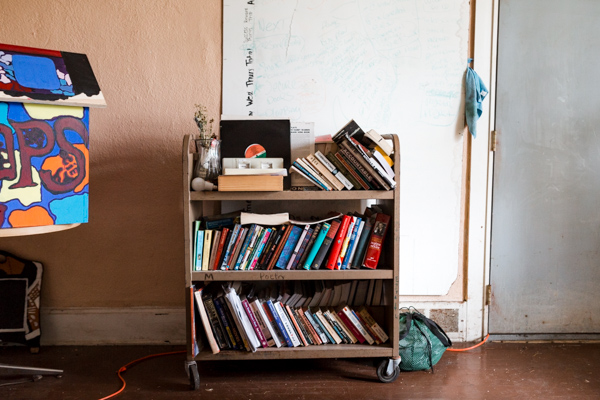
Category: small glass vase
[208,165]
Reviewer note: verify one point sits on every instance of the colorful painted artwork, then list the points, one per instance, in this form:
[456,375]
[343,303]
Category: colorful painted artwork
[44,165]
[30,75]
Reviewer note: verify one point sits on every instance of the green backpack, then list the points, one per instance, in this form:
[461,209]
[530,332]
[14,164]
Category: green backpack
[422,341]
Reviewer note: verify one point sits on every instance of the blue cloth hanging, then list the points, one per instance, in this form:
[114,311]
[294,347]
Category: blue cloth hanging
[475,92]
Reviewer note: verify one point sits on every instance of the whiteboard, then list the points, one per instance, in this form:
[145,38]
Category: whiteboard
[395,66]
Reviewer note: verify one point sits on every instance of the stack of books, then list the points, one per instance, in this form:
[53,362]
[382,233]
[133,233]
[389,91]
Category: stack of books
[273,241]
[362,161]
[238,317]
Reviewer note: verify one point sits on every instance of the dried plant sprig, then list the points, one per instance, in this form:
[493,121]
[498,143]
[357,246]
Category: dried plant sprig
[204,124]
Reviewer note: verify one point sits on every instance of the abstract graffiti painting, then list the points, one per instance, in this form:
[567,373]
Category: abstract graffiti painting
[31,75]
[44,165]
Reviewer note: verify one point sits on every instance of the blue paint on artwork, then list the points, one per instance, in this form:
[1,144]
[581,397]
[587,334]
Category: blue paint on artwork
[35,72]
[70,210]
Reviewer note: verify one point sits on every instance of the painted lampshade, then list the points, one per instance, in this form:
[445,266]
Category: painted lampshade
[45,97]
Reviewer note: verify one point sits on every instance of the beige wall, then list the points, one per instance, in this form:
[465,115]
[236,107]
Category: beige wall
[154,59]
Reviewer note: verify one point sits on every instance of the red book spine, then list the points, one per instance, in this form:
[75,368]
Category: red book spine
[254,322]
[293,319]
[376,241]
[336,246]
[216,265]
[351,326]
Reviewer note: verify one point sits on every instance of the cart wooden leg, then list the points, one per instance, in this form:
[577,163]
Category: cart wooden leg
[191,368]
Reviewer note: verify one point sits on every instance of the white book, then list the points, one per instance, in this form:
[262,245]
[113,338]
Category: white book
[287,324]
[240,314]
[260,311]
[357,324]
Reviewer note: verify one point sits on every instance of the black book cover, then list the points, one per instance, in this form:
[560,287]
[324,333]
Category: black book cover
[257,138]
[324,249]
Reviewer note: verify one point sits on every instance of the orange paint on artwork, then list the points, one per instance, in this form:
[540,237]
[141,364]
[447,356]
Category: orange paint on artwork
[66,168]
[35,216]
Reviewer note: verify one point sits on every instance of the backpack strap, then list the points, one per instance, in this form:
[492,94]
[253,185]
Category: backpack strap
[435,329]
[408,325]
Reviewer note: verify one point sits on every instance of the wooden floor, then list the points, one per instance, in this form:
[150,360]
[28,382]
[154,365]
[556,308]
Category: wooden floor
[492,371]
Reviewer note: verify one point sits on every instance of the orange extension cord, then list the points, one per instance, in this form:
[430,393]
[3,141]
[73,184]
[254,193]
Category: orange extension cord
[472,347]
[124,368]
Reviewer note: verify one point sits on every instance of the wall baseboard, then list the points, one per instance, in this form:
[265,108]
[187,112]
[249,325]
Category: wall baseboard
[112,326]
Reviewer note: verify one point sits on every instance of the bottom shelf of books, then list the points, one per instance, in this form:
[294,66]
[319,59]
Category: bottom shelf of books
[291,319]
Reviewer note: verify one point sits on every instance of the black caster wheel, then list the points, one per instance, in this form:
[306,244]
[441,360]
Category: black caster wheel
[383,375]
[194,377]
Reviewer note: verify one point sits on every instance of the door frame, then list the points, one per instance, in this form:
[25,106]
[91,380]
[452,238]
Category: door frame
[480,164]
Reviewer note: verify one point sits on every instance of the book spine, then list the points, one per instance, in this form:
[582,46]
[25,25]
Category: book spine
[297,326]
[302,250]
[279,248]
[371,332]
[244,248]
[322,253]
[221,244]
[264,324]
[317,327]
[356,322]
[314,249]
[216,323]
[297,247]
[340,167]
[357,166]
[260,248]
[199,252]
[213,251]
[309,327]
[373,251]
[347,332]
[206,252]
[361,246]
[335,182]
[370,321]
[330,328]
[254,322]
[229,323]
[288,247]
[317,175]
[333,169]
[287,324]
[386,180]
[260,263]
[336,246]
[362,162]
[351,326]
[236,248]
[342,160]
[352,244]
[309,245]
[345,242]
[335,325]
[273,247]
[239,315]
[326,329]
[279,322]
[229,247]
[256,236]
[213,341]
[306,174]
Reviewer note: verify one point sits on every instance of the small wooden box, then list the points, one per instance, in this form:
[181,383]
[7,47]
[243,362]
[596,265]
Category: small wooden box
[250,183]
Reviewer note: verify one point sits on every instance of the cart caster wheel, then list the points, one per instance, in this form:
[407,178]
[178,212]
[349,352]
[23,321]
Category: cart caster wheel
[384,375]
[194,377]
